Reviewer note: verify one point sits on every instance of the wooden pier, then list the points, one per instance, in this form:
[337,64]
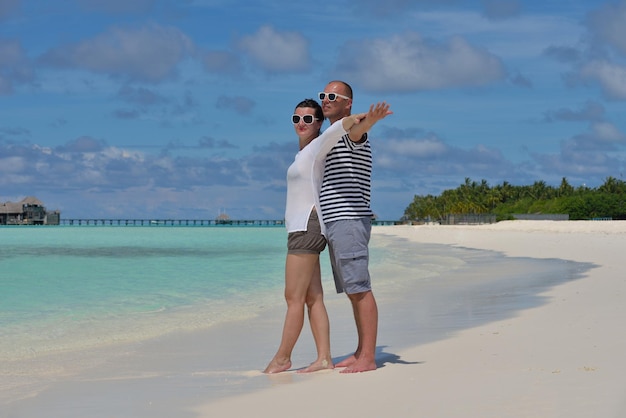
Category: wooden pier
[169,222]
[184,222]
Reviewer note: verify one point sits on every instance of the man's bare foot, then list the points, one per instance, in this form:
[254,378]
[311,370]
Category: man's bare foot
[347,361]
[276,367]
[360,365]
[317,366]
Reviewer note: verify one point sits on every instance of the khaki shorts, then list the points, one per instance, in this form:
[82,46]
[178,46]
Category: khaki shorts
[310,241]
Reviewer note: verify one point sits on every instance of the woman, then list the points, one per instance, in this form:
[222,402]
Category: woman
[305,242]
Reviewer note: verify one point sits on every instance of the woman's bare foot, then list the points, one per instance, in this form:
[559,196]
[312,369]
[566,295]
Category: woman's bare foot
[276,366]
[317,366]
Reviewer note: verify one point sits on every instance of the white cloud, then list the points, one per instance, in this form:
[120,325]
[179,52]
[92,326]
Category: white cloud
[10,53]
[15,67]
[117,6]
[277,52]
[606,131]
[611,77]
[5,85]
[240,104]
[422,148]
[429,155]
[150,53]
[89,164]
[221,62]
[408,63]
[501,9]
[384,9]
[609,24]
[591,111]
[8,7]
[524,38]
[12,164]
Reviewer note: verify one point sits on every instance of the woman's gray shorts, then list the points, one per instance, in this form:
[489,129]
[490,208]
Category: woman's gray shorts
[310,241]
[349,256]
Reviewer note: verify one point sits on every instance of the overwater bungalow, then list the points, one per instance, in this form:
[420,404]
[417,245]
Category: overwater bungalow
[29,211]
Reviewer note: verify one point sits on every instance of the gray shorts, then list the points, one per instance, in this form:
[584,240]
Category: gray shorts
[310,241]
[349,256]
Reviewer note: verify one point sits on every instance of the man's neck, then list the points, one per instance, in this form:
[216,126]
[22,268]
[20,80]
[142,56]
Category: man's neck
[338,118]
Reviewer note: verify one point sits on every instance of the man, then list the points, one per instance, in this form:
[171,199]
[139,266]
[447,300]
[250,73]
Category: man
[345,207]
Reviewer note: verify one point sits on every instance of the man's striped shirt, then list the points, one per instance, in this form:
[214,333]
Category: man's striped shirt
[346,187]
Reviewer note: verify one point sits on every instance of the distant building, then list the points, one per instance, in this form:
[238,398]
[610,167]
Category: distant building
[223,218]
[30,211]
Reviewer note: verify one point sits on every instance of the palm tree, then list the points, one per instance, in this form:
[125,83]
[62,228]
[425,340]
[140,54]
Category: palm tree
[613,185]
[565,189]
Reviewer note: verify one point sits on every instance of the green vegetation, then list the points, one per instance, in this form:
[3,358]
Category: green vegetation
[504,200]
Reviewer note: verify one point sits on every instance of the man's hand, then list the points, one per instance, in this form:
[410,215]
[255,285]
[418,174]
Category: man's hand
[365,121]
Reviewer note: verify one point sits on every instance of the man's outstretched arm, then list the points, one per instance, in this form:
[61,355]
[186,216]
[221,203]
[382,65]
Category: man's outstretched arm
[377,112]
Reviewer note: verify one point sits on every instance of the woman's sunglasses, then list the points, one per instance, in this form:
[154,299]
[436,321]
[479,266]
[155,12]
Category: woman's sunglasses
[308,119]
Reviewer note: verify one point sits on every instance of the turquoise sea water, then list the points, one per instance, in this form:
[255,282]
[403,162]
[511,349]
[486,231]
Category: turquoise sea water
[65,288]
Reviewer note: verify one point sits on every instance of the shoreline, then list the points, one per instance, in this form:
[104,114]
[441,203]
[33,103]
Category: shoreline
[560,359]
[542,348]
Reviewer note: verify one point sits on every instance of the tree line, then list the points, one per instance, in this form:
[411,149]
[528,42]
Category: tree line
[504,200]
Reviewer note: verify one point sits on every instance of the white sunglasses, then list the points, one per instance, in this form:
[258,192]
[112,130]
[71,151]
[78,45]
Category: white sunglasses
[308,119]
[331,96]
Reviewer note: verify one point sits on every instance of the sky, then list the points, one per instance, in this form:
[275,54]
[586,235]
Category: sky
[181,109]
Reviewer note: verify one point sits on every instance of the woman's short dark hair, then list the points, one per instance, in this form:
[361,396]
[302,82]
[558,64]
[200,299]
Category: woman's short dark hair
[313,104]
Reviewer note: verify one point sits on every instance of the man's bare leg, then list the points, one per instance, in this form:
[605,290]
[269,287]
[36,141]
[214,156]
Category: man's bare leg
[366,318]
[349,360]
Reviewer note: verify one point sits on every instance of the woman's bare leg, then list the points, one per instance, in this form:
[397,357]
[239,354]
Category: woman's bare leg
[299,270]
[320,327]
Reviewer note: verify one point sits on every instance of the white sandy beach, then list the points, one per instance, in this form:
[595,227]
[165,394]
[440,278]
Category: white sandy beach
[540,346]
[564,358]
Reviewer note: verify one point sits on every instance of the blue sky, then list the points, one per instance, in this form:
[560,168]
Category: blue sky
[180,109]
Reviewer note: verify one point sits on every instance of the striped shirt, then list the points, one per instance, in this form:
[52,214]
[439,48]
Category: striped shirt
[346,187]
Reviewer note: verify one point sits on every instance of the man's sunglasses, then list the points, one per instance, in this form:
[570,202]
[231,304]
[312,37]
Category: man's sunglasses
[308,119]
[331,96]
